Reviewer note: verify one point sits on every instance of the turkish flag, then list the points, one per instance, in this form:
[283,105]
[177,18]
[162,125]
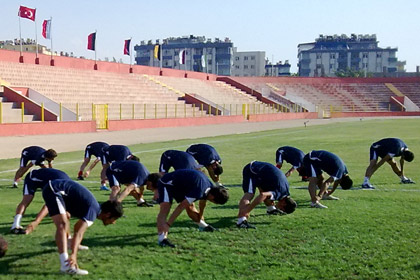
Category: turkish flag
[25,12]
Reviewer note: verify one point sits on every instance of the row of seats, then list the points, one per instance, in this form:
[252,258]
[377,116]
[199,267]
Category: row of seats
[323,93]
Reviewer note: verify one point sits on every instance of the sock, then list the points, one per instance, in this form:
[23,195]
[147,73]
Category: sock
[161,236]
[403,177]
[15,183]
[240,220]
[16,221]
[366,181]
[80,173]
[202,224]
[63,259]
[271,208]
[141,200]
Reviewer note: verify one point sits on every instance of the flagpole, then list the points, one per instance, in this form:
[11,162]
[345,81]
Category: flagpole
[20,41]
[96,33]
[129,51]
[36,43]
[51,38]
[160,57]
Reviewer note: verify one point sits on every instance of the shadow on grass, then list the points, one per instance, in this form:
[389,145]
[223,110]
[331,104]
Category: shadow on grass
[119,241]
[416,267]
[11,258]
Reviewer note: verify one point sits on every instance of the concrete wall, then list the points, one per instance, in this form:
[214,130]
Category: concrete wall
[139,124]
[42,128]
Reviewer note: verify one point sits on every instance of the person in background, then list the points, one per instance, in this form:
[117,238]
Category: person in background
[387,149]
[33,155]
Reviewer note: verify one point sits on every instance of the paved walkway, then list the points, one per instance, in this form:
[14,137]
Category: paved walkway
[11,147]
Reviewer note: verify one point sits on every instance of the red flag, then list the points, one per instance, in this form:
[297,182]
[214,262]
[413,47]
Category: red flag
[25,12]
[91,41]
[127,47]
[46,29]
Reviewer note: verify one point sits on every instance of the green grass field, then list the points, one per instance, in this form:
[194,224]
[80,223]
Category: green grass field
[365,235]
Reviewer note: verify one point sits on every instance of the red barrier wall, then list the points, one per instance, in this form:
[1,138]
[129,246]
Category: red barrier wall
[281,116]
[139,124]
[42,128]
[373,114]
[331,80]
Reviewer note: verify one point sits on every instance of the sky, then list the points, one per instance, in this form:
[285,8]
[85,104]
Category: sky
[273,26]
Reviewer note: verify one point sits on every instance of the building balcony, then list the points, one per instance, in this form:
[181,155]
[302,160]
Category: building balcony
[392,59]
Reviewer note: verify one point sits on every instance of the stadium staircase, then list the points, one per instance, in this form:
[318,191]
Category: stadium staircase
[11,112]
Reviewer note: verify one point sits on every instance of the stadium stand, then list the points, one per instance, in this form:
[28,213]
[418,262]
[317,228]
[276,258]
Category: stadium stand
[145,94]
[85,87]
[337,94]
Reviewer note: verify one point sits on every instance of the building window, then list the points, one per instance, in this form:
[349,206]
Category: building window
[245,58]
[318,56]
[332,55]
[236,58]
[253,57]
[237,66]
[331,66]
[245,66]
[252,66]
[365,55]
[378,55]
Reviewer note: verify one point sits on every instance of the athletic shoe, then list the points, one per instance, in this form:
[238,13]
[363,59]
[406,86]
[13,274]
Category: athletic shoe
[80,178]
[18,230]
[318,205]
[14,186]
[208,228]
[145,204]
[104,188]
[166,243]
[329,197]
[246,225]
[73,271]
[367,186]
[407,181]
[275,212]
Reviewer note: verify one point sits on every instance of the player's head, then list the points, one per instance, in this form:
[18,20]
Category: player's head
[287,205]
[346,183]
[3,246]
[408,155]
[111,211]
[217,168]
[218,195]
[152,180]
[50,154]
